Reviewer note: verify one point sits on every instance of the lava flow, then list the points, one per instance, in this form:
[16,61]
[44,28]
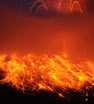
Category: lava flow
[45,72]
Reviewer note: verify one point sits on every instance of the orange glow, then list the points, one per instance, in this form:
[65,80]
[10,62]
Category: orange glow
[45,72]
[71,6]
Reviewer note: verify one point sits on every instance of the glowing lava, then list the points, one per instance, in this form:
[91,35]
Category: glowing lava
[45,72]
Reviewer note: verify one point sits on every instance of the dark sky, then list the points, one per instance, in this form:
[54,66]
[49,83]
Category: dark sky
[19,4]
[51,34]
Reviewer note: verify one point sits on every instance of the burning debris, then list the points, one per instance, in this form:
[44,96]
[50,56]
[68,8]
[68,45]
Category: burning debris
[49,73]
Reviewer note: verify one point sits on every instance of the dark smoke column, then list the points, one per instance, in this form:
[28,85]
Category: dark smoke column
[36,7]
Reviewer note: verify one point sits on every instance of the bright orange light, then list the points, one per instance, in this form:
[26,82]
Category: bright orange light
[45,72]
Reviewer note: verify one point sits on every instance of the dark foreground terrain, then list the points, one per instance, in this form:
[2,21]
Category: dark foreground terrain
[43,97]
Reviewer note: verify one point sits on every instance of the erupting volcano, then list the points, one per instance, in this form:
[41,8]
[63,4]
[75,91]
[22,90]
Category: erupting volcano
[45,72]
[47,46]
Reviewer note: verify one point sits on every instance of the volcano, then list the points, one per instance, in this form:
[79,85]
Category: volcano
[48,58]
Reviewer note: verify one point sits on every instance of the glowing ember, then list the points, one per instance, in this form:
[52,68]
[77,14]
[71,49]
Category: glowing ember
[68,6]
[45,72]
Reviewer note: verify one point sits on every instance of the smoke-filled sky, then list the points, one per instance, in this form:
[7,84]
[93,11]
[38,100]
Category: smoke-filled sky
[19,4]
[55,34]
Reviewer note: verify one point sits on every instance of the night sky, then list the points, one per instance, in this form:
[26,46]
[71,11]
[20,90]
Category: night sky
[21,30]
[20,4]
